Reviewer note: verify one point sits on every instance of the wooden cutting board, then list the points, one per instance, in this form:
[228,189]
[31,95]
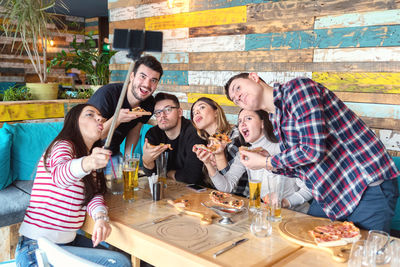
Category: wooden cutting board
[296,230]
[194,207]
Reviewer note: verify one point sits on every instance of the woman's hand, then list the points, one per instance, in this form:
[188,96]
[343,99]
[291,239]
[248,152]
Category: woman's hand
[101,231]
[206,156]
[253,160]
[97,159]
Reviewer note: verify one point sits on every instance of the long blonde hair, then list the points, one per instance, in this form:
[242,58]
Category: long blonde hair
[223,125]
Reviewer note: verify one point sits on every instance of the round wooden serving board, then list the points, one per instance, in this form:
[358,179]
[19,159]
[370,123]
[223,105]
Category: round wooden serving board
[297,230]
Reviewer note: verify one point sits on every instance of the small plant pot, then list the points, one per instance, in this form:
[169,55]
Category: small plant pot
[43,91]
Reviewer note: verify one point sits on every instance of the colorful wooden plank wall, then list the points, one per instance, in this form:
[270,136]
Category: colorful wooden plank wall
[15,67]
[353,47]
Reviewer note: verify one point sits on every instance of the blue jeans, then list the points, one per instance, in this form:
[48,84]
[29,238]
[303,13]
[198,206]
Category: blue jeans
[25,253]
[375,209]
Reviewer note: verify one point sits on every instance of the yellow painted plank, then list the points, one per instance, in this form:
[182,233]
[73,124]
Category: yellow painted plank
[383,82]
[220,99]
[198,18]
[31,111]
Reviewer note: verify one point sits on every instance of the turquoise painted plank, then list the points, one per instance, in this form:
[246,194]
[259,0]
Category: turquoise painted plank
[91,23]
[375,110]
[371,36]
[170,58]
[175,77]
[112,1]
[214,4]
[359,19]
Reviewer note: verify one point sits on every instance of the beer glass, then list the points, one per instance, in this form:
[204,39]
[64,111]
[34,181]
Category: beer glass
[274,197]
[130,173]
[161,163]
[255,179]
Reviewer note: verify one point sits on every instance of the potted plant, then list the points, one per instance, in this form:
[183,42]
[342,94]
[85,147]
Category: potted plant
[86,57]
[27,23]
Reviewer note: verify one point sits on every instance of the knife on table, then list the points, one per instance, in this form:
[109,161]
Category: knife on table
[234,244]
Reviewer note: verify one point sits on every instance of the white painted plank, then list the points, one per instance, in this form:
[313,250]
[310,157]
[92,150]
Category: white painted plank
[219,78]
[385,17]
[175,45]
[217,43]
[205,44]
[148,10]
[121,13]
[390,139]
[357,54]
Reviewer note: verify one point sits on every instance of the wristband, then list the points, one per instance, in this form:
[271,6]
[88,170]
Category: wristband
[102,217]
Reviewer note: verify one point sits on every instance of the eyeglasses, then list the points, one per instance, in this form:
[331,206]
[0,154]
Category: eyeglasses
[167,110]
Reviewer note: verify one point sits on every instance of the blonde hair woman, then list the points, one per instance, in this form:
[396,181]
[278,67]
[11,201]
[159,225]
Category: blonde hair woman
[209,118]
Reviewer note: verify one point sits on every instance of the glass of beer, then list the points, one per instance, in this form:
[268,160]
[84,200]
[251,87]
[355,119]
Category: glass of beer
[255,179]
[161,163]
[274,197]
[130,173]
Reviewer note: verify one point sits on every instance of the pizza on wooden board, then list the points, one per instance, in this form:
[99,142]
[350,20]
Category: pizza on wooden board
[335,234]
[226,200]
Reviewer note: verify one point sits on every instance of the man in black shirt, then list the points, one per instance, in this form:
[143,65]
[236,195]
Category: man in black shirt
[173,129]
[143,82]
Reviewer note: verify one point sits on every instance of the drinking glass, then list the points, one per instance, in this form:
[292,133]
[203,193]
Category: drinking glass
[260,223]
[380,240]
[395,253]
[116,181]
[273,199]
[255,179]
[130,173]
[362,254]
[161,163]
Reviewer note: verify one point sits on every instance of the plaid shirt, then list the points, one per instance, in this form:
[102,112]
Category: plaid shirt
[327,145]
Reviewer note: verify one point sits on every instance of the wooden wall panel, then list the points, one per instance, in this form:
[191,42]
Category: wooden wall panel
[352,47]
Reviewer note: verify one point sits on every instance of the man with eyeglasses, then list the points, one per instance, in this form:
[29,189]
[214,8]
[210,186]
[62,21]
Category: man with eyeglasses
[177,132]
[143,82]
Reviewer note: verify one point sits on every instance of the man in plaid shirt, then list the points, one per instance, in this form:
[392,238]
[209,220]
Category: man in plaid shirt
[323,142]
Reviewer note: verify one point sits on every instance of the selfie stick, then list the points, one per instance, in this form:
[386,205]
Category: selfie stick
[134,54]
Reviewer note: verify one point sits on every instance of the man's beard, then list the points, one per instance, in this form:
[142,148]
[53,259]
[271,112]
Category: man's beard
[168,127]
[136,95]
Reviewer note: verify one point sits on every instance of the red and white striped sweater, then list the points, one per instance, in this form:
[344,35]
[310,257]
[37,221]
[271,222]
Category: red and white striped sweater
[55,209]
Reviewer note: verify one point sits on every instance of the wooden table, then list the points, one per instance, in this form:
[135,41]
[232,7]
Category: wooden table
[271,251]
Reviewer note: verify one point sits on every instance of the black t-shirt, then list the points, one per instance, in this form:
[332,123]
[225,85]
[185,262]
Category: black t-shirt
[106,99]
[181,158]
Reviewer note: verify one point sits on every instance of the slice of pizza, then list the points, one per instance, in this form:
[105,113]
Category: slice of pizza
[250,149]
[335,234]
[140,111]
[209,148]
[220,137]
[162,144]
